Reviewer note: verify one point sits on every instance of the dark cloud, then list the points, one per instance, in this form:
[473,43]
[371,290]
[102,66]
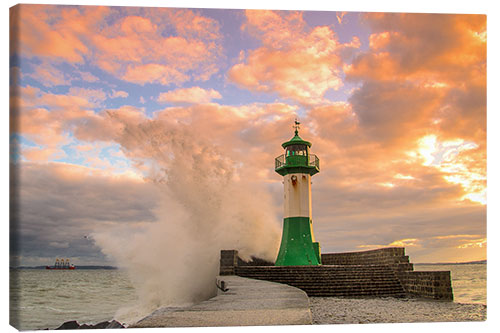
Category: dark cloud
[395,111]
[57,206]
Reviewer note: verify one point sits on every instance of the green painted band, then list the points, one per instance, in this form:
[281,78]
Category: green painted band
[297,247]
[285,170]
[297,219]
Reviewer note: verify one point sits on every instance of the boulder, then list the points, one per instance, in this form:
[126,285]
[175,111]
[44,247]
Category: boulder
[85,327]
[69,325]
[72,325]
[115,324]
[101,325]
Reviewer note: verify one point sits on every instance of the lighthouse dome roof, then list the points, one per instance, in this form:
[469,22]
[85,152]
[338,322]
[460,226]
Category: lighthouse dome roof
[296,140]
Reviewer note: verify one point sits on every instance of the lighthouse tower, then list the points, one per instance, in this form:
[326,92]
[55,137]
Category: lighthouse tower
[297,165]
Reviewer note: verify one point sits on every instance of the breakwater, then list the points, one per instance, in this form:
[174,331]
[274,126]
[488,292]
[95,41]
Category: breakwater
[374,273]
[239,302]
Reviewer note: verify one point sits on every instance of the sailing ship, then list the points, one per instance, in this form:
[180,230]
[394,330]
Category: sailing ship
[61,264]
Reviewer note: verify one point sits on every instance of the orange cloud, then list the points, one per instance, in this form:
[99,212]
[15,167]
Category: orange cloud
[49,75]
[67,103]
[481,242]
[119,93]
[49,31]
[48,119]
[37,154]
[297,63]
[193,95]
[163,46]
[407,242]
[423,77]
[275,29]
[86,76]
[151,73]
[136,50]
[423,45]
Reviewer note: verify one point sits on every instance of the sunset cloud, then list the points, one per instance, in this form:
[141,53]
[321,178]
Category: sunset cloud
[49,75]
[135,48]
[193,95]
[118,93]
[297,62]
[442,52]
[409,80]
[138,49]
[53,32]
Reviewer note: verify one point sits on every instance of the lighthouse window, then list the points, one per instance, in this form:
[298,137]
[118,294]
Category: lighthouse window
[296,150]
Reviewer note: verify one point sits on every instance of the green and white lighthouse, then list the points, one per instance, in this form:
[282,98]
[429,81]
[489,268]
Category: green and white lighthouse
[297,166]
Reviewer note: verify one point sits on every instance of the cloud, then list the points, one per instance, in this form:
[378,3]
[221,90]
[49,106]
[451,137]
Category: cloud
[439,46]
[160,45]
[119,93]
[94,96]
[274,28]
[394,112]
[153,73]
[339,230]
[408,242]
[88,77]
[441,56]
[43,154]
[193,95]
[295,61]
[48,75]
[48,120]
[422,77]
[52,32]
[59,245]
[166,46]
[60,203]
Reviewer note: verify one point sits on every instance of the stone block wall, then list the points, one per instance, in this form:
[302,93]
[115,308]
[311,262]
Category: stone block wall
[435,284]
[229,260]
[391,256]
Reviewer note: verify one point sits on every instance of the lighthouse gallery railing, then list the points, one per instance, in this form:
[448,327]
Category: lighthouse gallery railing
[280,161]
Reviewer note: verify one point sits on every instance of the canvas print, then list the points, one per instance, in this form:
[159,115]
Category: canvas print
[175,167]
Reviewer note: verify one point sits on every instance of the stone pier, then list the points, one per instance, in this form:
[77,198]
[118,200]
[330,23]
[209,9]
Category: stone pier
[385,272]
[242,302]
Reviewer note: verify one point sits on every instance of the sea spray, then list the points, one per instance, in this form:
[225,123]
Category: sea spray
[204,205]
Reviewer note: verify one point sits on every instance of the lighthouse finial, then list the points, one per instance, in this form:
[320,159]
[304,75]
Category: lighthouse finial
[296,126]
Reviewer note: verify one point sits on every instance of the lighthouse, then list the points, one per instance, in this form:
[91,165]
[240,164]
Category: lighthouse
[297,165]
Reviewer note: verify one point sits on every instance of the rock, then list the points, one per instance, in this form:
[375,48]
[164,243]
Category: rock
[115,324]
[69,325]
[72,325]
[85,327]
[101,325]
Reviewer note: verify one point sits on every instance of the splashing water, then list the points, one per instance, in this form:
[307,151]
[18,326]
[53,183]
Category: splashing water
[204,206]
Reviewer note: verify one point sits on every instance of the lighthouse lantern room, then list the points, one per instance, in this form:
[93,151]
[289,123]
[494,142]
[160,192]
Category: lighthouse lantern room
[297,166]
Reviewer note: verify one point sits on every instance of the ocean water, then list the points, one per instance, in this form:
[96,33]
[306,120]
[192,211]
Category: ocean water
[42,298]
[45,299]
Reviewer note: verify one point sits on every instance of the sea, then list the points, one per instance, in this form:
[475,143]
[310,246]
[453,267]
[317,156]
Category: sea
[41,299]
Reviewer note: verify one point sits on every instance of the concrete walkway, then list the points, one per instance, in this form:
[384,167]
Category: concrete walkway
[247,302]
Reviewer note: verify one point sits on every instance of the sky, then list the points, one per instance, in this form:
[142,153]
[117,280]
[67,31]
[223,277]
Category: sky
[126,118]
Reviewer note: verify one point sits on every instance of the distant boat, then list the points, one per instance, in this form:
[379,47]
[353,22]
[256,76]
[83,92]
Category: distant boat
[61,264]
